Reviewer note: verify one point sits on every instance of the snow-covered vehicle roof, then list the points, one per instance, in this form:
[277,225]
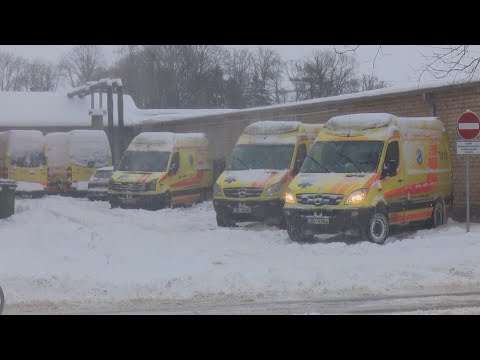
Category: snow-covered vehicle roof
[89,146]
[166,141]
[268,127]
[357,123]
[106,168]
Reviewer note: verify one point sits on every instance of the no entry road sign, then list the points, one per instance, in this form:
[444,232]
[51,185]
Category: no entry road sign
[468,125]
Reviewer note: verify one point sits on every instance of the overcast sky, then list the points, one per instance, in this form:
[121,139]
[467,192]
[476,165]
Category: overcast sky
[399,65]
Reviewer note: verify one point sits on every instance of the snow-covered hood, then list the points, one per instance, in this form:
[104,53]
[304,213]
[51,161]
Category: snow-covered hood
[252,178]
[331,183]
[136,177]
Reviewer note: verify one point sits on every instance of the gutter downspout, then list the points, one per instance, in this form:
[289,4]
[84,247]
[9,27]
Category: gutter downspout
[430,100]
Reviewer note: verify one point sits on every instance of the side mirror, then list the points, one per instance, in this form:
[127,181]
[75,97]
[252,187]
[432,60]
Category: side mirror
[297,166]
[390,169]
[173,169]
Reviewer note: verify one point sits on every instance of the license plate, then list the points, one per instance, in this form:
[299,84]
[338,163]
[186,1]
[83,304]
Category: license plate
[318,221]
[242,210]
[128,200]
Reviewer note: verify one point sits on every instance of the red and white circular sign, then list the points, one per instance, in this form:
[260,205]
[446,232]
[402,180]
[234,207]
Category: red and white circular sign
[468,125]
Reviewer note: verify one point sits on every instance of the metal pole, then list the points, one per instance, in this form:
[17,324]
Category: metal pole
[468,195]
[92,101]
[110,121]
[120,119]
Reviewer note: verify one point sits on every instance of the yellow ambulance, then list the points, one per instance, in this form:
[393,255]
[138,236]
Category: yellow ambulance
[88,150]
[264,160]
[22,158]
[163,169]
[367,172]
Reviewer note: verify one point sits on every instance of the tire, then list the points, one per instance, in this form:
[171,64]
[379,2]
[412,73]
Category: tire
[438,216]
[203,196]
[114,205]
[167,202]
[377,229]
[2,301]
[297,234]
[278,221]
[224,221]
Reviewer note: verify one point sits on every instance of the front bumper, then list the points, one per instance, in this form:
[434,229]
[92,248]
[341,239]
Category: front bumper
[259,210]
[328,220]
[147,201]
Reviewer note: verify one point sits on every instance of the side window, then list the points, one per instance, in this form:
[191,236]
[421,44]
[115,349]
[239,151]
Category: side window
[301,154]
[175,164]
[392,160]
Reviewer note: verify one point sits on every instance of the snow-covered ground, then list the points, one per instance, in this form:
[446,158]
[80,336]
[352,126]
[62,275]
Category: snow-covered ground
[62,249]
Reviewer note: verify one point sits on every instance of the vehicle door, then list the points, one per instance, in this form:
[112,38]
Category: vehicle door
[392,180]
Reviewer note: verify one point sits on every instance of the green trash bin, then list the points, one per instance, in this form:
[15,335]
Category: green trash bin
[7,198]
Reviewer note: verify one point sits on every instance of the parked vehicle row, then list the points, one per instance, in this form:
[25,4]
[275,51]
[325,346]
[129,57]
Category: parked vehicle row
[359,173]
[55,163]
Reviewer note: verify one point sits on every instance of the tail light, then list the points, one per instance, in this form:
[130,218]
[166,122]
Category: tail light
[69,174]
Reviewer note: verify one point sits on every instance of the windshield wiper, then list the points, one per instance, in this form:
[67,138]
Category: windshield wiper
[322,167]
[348,158]
[271,160]
[240,161]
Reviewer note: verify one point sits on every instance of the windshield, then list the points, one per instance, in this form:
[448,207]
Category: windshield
[151,161]
[103,174]
[256,156]
[31,159]
[343,157]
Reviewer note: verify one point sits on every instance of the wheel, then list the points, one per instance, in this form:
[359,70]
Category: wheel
[278,221]
[377,229]
[113,204]
[203,196]
[167,203]
[438,216]
[297,234]
[2,301]
[224,221]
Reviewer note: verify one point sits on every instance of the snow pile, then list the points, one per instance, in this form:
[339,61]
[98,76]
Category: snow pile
[89,148]
[59,248]
[271,127]
[24,186]
[360,121]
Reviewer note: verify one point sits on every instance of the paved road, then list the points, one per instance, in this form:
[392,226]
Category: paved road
[452,303]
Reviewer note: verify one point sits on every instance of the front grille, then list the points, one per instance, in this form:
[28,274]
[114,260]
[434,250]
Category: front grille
[242,192]
[319,199]
[116,186]
[96,186]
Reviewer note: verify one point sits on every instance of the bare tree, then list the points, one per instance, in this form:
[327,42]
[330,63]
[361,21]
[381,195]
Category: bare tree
[324,73]
[238,69]
[453,60]
[42,76]
[371,82]
[267,75]
[82,64]
[12,72]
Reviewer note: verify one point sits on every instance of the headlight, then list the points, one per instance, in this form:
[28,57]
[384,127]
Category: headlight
[217,190]
[357,197]
[289,198]
[152,185]
[274,189]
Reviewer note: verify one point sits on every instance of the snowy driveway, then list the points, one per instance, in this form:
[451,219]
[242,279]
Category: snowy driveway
[58,250]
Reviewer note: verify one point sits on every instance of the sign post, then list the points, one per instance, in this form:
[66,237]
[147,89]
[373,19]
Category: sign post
[468,127]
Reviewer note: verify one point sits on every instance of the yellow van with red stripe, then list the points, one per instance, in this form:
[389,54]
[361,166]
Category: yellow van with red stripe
[162,169]
[367,172]
[264,160]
